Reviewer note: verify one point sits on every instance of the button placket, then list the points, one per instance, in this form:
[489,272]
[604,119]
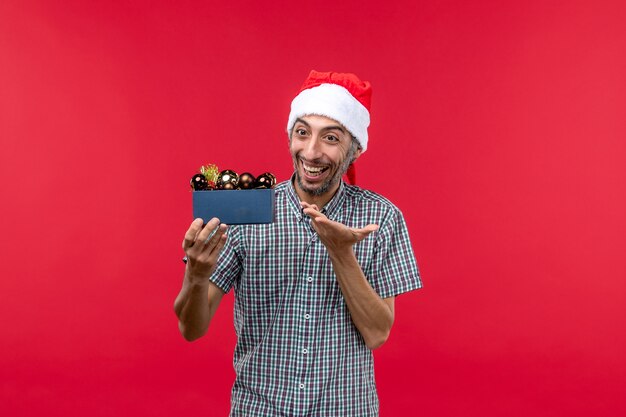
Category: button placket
[305,295]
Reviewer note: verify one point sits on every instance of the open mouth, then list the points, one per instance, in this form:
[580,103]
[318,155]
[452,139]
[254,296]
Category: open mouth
[313,171]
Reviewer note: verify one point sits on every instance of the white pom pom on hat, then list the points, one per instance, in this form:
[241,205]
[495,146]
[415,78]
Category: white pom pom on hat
[340,96]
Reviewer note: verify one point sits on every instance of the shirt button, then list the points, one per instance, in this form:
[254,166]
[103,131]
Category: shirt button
[310,279]
[307,316]
[301,386]
[305,351]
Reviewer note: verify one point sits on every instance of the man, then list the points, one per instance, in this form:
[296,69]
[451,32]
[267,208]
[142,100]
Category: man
[314,290]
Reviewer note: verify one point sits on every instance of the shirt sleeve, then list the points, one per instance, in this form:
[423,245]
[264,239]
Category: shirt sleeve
[229,262]
[394,269]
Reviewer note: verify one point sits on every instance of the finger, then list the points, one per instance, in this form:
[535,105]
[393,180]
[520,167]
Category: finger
[214,238]
[362,233]
[192,232]
[219,245]
[313,213]
[207,230]
[371,228]
[306,205]
[210,236]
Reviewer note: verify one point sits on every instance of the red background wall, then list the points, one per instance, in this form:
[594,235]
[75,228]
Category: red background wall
[498,128]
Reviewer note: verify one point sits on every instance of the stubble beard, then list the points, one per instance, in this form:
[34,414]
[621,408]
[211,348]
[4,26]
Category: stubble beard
[331,181]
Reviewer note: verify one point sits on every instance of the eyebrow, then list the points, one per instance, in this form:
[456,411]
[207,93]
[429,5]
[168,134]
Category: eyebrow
[325,128]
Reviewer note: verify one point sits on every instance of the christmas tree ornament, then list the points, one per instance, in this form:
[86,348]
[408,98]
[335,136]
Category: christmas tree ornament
[210,178]
[198,183]
[265,180]
[246,181]
[227,180]
[210,172]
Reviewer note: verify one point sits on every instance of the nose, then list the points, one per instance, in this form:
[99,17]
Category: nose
[312,148]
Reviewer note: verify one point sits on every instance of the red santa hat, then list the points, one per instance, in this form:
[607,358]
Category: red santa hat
[341,97]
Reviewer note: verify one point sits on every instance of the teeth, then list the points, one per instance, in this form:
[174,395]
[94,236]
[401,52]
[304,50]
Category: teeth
[312,170]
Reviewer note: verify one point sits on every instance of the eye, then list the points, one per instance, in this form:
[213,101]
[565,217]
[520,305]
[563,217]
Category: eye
[300,132]
[332,138]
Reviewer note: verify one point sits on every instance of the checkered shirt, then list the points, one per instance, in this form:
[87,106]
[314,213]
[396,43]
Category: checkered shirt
[298,352]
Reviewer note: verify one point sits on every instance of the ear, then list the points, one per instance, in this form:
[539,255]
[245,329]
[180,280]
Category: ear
[357,153]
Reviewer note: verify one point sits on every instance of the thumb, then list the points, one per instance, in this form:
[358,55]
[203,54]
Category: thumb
[362,233]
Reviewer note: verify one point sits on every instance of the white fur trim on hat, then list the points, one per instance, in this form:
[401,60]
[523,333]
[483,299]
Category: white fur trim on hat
[335,102]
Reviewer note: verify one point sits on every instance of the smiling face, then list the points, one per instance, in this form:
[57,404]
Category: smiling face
[322,150]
